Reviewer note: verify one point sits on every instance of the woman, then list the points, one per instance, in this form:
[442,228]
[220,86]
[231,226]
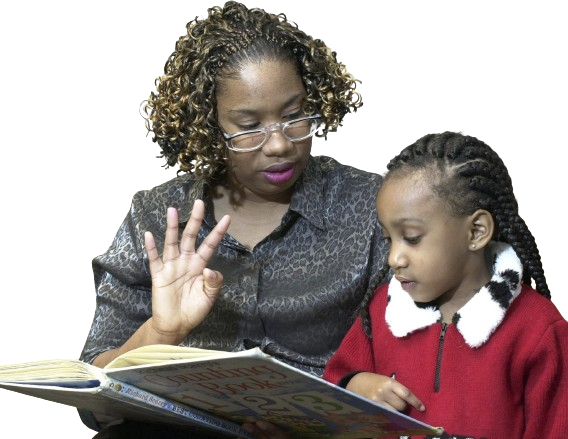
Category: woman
[240,100]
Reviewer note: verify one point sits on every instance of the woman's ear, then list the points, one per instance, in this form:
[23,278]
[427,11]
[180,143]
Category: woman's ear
[481,229]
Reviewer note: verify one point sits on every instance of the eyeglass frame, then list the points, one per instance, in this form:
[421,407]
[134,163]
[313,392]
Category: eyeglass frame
[267,130]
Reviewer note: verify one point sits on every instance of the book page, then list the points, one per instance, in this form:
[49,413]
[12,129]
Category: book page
[50,372]
[159,353]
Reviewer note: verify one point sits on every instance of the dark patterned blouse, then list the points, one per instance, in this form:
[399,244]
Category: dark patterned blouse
[295,294]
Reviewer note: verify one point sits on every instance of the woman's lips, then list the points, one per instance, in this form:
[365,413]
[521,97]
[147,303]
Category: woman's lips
[278,174]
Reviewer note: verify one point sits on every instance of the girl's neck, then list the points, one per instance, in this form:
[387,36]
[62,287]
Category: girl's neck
[451,302]
[449,308]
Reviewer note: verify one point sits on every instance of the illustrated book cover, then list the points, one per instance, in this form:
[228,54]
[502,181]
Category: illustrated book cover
[211,390]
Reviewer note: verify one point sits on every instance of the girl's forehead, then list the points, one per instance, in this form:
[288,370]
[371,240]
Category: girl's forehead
[411,178]
[407,190]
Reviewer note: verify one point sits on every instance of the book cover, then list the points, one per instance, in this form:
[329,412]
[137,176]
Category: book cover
[248,385]
[77,384]
[212,390]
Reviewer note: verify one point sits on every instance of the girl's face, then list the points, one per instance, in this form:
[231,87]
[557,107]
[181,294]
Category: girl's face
[264,93]
[429,247]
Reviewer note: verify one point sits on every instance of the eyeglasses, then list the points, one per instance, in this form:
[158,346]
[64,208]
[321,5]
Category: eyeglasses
[294,131]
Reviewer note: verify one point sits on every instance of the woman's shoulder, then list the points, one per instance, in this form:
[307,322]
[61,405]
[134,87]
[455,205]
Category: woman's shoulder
[331,168]
[342,188]
[340,182]
[169,193]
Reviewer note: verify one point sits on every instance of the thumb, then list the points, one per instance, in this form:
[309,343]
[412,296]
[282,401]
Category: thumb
[212,282]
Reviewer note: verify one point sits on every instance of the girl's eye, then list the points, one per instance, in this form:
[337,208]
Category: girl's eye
[412,239]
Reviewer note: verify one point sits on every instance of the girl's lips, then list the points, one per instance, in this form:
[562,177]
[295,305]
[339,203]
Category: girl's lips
[278,174]
[405,283]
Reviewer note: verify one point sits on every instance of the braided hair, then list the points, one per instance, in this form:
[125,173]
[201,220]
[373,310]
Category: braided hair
[182,113]
[468,175]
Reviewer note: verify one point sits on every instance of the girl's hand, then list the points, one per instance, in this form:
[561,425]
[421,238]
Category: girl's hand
[384,390]
[183,289]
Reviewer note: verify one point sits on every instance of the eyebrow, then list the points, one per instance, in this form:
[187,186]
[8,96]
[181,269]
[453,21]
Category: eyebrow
[248,111]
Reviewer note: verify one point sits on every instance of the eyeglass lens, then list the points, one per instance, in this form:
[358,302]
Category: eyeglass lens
[296,130]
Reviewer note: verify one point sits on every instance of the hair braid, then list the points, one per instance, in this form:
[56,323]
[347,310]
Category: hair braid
[468,175]
[477,178]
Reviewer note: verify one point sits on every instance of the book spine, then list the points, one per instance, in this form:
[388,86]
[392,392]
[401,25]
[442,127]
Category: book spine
[119,390]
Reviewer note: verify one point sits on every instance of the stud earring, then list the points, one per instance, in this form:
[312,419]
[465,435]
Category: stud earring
[472,245]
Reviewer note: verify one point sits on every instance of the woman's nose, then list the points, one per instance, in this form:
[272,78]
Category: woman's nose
[277,144]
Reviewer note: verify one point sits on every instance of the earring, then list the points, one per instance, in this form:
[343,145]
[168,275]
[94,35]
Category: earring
[472,245]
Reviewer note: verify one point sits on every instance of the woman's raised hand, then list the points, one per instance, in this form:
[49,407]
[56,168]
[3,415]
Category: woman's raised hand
[183,289]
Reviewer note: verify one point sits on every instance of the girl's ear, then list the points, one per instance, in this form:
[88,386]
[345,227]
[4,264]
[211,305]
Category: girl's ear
[481,229]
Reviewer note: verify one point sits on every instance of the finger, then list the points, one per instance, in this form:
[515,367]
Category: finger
[152,252]
[408,397]
[187,244]
[212,279]
[212,240]
[171,248]
[212,283]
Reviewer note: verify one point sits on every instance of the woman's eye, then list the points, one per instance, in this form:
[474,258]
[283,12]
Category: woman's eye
[295,115]
[248,127]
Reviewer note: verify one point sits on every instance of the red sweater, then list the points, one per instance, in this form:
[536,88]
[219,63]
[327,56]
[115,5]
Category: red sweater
[514,385]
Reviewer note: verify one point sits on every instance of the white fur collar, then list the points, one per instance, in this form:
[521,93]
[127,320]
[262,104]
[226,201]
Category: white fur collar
[479,317]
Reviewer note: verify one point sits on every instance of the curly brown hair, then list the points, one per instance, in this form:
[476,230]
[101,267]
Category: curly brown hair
[182,114]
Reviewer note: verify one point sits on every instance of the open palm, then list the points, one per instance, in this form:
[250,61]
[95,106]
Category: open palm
[183,289]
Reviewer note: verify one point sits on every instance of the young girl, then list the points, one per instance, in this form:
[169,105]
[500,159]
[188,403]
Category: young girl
[459,338]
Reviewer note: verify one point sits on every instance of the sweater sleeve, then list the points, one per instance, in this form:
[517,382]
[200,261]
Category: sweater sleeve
[355,354]
[546,395]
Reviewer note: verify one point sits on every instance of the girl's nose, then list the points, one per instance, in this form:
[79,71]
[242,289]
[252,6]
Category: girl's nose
[397,259]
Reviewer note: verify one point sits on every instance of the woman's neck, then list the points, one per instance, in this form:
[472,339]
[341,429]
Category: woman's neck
[252,217]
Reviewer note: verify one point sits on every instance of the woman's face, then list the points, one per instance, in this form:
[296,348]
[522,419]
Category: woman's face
[262,94]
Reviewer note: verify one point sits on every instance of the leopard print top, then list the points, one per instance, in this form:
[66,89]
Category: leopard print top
[295,294]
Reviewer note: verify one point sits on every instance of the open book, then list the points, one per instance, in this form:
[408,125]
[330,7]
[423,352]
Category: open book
[211,391]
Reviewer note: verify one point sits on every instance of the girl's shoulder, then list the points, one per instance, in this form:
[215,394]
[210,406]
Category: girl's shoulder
[536,310]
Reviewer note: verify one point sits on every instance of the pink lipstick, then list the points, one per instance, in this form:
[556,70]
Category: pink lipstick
[278,174]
